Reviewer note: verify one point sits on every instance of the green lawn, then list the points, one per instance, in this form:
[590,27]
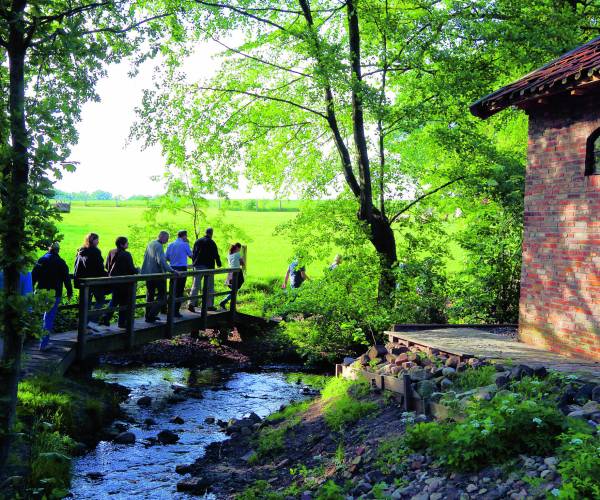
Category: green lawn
[268,254]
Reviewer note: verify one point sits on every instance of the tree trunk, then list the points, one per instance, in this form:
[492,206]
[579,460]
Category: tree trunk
[383,239]
[13,196]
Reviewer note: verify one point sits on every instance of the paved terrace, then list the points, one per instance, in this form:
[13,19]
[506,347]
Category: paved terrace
[477,342]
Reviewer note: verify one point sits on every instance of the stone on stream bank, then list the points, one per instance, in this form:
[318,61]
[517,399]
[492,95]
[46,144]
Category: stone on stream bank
[167,437]
[125,438]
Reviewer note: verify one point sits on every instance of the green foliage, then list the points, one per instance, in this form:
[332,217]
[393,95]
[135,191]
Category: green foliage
[40,399]
[51,466]
[391,455]
[330,491]
[579,466]
[488,289]
[491,432]
[271,441]
[290,411]
[51,441]
[260,490]
[308,379]
[475,377]
[342,404]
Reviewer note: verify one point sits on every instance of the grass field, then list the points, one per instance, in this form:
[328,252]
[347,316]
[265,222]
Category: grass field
[268,254]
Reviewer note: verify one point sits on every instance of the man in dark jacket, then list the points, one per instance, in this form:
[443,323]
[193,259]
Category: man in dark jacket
[51,273]
[204,256]
[119,262]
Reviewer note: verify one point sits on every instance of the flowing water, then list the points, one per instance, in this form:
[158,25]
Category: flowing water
[143,470]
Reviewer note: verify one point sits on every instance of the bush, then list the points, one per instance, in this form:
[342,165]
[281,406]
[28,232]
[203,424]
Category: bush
[492,432]
[55,466]
[579,466]
[476,377]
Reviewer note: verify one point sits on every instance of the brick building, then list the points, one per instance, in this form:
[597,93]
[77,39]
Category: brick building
[560,279]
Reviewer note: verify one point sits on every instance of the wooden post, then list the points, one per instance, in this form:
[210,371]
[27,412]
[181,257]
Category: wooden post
[204,310]
[407,392]
[84,303]
[232,303]
[131,319]
[171,306]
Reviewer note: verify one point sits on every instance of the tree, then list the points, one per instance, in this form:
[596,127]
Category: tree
[322,96]
[53,52]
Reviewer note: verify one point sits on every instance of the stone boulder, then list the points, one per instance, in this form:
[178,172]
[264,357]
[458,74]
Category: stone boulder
[125,438]
[144,401]
[425,388]
[520,371]
[167,437]
[376,352]
[177,420]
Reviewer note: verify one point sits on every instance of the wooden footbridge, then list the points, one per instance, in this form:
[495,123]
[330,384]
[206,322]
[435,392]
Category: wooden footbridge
[78,345]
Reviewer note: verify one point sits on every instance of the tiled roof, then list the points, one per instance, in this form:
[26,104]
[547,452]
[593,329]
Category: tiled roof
[576,68]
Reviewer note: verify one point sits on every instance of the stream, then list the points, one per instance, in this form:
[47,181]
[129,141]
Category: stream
[144,470]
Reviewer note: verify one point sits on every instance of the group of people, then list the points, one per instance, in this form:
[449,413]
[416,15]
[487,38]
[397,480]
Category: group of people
[52,273]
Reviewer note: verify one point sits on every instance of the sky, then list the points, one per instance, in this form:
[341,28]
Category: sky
[106,161]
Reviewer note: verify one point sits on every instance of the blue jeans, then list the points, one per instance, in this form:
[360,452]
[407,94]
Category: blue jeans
[49,317]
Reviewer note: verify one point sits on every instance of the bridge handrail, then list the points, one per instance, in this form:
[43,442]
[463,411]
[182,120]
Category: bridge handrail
[129,278]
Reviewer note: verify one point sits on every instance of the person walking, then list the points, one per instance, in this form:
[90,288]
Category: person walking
[295,275]
[204,256]
[155,262]
[90,264]
[119,262]
[235,261]
[177,255]
[51,273]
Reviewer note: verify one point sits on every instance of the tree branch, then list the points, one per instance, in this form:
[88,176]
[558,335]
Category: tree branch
[262,61]
[423,196]
[243,12]
[265,97]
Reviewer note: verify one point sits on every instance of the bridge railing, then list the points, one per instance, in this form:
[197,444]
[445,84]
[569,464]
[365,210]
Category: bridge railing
[130,282]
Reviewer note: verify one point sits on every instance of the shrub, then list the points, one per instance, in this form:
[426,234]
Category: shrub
[579,466]
[476,377]
[54,466]
[492,432]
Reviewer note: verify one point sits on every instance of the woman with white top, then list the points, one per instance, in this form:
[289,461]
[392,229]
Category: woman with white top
[235,262]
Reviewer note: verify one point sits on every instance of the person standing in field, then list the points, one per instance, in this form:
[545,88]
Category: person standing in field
[337,260]
[51,273]
[295,275]
[205,256]
[235,261]
[90,264]
[155,262]
[177,255]
[119,262]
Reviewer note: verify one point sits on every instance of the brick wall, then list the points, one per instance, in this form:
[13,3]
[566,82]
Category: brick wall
[560,282]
